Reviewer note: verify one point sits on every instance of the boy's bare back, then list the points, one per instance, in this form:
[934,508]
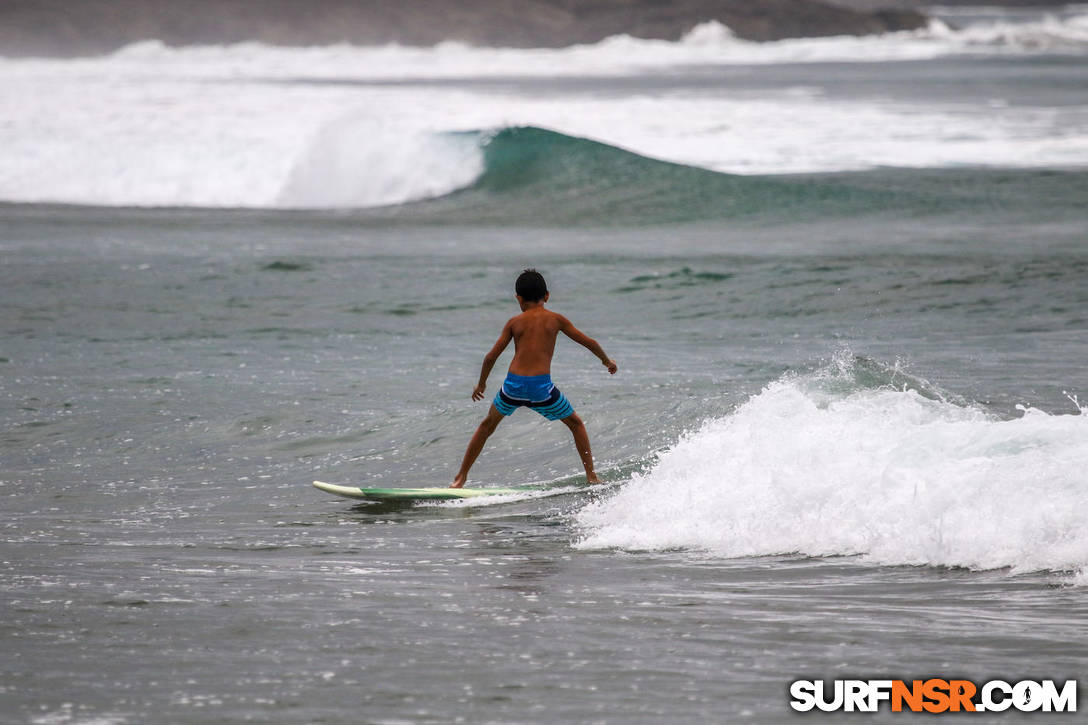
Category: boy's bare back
[534,332]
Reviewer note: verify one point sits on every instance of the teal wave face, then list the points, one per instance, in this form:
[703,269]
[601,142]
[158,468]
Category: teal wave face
[548,176]
[539,177]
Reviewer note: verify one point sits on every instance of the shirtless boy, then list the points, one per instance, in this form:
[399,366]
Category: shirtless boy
[529,380]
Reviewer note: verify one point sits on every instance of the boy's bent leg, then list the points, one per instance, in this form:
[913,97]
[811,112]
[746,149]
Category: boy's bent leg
[581,442]
[476,444]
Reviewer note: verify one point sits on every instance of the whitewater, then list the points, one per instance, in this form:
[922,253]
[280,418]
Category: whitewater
[253,126]
[894,474]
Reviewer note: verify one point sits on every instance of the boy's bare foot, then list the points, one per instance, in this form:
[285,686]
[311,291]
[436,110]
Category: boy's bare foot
[458,482]
[592,478]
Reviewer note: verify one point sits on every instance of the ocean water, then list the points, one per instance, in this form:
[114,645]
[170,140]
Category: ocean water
[844,280]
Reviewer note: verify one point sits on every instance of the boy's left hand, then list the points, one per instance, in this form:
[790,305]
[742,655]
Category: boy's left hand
[478,392]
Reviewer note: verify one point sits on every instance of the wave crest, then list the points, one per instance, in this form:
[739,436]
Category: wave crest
[894,474]
[352,164]
[707,43]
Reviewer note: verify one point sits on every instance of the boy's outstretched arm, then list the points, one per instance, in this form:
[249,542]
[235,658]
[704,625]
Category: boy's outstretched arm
[490,358]
[568,329]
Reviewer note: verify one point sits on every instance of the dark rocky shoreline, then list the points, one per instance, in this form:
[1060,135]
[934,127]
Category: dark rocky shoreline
[89,27]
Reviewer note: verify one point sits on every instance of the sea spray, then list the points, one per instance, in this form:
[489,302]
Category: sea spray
[896,475]
[352,163]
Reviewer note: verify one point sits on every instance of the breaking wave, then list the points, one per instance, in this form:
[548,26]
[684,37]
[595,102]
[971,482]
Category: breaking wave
[537,176]
[353,165]
[528,175]
[858,459]
[708,43]
[254,126]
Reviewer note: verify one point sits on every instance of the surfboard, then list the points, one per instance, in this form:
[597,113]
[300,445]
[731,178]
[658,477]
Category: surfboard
[419,494]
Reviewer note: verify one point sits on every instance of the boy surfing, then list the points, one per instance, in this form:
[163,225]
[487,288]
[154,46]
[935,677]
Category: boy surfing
[528,382]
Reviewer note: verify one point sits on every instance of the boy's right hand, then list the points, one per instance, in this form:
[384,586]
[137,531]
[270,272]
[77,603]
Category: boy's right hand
[478,392]
[612,367]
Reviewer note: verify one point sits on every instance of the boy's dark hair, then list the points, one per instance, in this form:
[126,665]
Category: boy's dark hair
[531,286]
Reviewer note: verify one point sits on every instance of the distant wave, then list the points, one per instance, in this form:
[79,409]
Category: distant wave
[252,126]
[537,176]
[860,459]
[352,164]
[709,43]
[1056,32]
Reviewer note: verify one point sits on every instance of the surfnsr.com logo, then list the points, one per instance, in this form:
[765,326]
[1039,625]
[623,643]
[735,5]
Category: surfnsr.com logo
[933,695]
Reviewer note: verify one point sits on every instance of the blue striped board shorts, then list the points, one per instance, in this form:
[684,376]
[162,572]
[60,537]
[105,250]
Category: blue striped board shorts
[535,392]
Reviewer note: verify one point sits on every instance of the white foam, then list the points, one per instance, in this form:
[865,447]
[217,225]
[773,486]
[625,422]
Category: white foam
[890,475]
[709,43]
[115,139]
[246,126]
[1050,34]
[352,163]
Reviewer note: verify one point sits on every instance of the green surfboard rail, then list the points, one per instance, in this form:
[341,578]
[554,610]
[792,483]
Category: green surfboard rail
[419,494]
